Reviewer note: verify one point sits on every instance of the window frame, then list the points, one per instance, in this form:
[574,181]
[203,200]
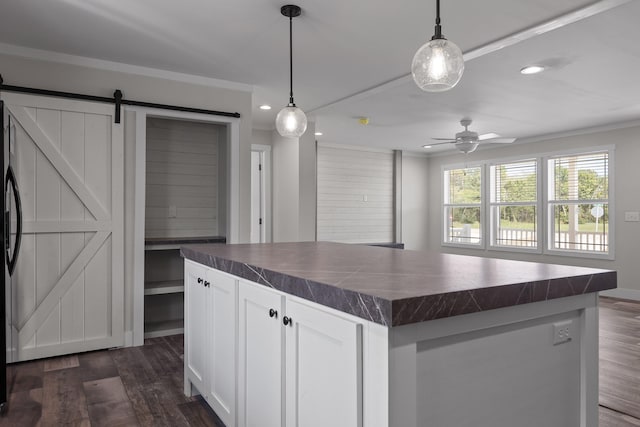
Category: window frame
[537,203]
[548,226]
[543,220]
[481,205]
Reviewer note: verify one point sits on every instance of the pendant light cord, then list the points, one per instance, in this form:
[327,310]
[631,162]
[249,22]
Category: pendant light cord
[438,30]
[291,60]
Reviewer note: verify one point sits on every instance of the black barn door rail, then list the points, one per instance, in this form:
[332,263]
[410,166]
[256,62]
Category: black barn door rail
[117,100]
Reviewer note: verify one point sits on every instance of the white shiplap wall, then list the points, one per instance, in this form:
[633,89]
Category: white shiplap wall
[182,174]
[355,195]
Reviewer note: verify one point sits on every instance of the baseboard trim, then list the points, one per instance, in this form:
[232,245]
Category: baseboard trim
[623,293]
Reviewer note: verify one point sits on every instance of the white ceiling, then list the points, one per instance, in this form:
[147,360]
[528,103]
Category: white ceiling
[351,59]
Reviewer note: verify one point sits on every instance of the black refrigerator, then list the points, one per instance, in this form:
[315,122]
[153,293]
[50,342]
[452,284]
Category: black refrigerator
[10,235]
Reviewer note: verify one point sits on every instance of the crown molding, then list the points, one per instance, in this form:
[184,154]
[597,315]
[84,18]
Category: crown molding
[101,64]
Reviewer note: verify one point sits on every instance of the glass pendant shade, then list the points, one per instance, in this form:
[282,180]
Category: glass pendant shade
[437,66]
[291,121]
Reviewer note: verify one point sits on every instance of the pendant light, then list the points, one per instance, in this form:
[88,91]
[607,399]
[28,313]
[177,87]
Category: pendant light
[438,65]
[291,120]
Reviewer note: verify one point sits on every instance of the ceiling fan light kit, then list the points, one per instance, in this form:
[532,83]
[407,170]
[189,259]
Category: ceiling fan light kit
[438,65]
[291,120]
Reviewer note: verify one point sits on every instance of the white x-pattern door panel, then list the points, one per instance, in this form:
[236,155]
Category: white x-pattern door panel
[68,286]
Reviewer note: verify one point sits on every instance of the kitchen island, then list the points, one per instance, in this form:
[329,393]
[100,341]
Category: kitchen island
[314,334]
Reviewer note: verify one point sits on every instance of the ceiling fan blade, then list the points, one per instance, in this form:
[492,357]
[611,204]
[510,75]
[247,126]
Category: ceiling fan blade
[499,140]
[444,139]
[442,143]
[489,135]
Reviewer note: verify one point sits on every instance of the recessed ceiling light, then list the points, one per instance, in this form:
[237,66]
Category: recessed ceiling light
[265,107]
[318,133]
[532,69]
[426,146]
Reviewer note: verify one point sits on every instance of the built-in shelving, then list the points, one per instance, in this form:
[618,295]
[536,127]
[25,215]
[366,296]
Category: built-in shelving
[164,284]
[164,287]
[163,328]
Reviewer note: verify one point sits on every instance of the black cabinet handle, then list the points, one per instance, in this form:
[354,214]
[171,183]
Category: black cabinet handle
[206,284]
[273,313]
[200,280]
[287,321]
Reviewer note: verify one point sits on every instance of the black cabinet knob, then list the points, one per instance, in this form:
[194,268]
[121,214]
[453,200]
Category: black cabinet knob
[273,313]
[287,321]
[200,280]
[206,284]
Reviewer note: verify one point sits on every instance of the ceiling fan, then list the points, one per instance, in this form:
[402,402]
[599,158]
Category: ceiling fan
[467,141]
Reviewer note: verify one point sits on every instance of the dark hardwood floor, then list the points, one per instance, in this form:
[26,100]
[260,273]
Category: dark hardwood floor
[619,363]
[142,386]
[136,386]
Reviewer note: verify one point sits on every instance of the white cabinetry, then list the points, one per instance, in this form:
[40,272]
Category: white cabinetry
[291,350]
[299,364]
[196,325]
[210,338]
[323,368]
[261,348]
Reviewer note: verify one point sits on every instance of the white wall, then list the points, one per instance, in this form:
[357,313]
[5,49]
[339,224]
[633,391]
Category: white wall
[19,71]
[307,186]
[627,198]
[261,137]
[355,195]
[293,185]
[182,175]
[286,188]
[415,202]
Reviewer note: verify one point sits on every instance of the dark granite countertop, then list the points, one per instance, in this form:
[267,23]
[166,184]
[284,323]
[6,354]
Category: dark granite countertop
[395,287]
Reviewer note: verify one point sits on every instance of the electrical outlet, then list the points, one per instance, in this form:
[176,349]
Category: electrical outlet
[562,332]
[632,216]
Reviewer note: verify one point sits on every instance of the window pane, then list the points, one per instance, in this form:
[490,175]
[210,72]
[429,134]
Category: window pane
[463,225]
[516,226]
[515,182]
[581,227]
[583,177]
[463,186]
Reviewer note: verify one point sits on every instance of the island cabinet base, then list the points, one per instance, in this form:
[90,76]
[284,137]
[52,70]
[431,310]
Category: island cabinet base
[266,358]
[499,368]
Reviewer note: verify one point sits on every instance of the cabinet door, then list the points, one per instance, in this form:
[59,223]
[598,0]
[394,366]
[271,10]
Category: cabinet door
[221,392]
[195,327]
[323,369]
[261,357]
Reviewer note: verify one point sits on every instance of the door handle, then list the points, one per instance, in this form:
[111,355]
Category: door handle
[13,259]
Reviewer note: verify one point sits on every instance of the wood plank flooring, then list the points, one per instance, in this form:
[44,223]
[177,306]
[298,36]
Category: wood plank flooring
[142,386]
[136,386]
[619,363]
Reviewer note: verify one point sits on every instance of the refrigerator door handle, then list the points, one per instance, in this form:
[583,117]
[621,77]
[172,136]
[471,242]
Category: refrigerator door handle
[13,258]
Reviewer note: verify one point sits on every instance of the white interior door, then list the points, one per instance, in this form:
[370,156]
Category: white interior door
[257,196]
[68,284]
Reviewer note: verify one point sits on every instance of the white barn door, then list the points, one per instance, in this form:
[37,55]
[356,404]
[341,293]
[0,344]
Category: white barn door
[68,286]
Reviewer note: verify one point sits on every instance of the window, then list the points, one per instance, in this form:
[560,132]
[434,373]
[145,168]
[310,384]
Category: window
[578,200]
[560,204]
[514,199]
[463,206]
